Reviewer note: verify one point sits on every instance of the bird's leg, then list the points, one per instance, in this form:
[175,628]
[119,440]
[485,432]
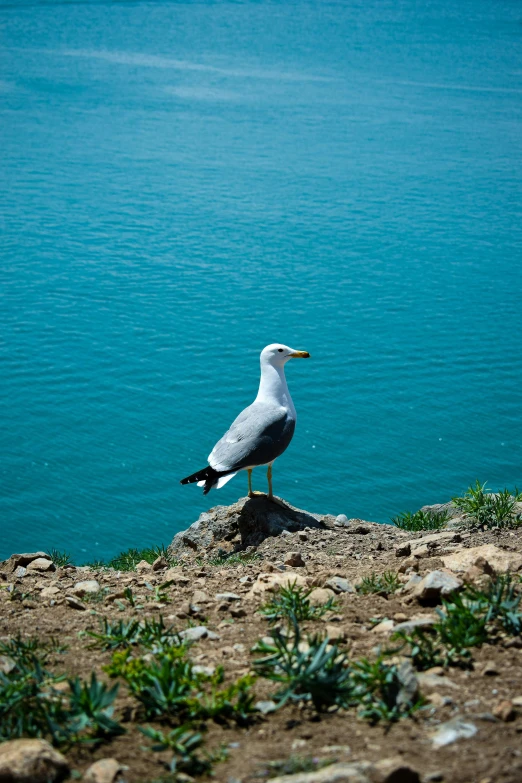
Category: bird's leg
[250,493]
[270,492]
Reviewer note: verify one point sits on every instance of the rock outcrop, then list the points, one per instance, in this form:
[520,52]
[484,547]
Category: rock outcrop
[245,523]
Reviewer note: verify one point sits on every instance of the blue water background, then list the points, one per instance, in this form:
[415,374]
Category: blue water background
[183,183]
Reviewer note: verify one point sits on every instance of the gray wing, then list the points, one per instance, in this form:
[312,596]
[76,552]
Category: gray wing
[259,434]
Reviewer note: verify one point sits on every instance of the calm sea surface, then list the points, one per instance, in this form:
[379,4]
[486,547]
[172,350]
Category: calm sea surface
[183,183]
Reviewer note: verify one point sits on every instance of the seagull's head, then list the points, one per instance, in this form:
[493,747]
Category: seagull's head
[278,354]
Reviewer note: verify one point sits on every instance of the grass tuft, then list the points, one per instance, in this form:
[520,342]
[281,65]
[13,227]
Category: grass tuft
[294,602]
[383,584]
[229,560]
[185,745]
[59,557]
[127,561]
[487,509]
[421,520]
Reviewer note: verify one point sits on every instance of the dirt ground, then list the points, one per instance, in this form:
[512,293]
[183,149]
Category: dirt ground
[493,755]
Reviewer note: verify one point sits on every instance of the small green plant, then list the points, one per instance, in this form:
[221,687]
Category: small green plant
[96,565]
[126,633]
[421,520]
[233,702]
[500,602]
[380,692]
[96,598]
[91,706]
[185,745]
[317,671]
[232,559]
[382,584]
[487,509]
[59,558]
[33,704]
[167,687]
[294,602]
[129,596]
[127,561]
[31,648]
[160,596]
[306,670]
[468,620]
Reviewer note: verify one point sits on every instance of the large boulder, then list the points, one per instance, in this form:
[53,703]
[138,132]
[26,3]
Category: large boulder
[245,523]
[489,558]
[31,761]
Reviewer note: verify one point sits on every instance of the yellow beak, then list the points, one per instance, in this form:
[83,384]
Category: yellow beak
[300,355]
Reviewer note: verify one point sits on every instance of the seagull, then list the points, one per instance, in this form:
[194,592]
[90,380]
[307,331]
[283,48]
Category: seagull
[261,432]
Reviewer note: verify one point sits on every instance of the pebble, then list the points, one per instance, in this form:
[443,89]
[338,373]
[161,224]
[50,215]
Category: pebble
[160,564]
[50,592]
[504,710]
[432,680]
[417,622]
[435,586]
[199,597]
[228,597]
[294,559]
[208,671]
[197,633]
[143,567]
[453,730]
[87,587]
[31,761]
[335,633]
[490,669]
[7,664]
[394,770]
[385,626]
[41,564]
[341,520]
[438,700]
[403,550]
[75,603]
[103,771]
[340,585]
[265,706]
[320,596]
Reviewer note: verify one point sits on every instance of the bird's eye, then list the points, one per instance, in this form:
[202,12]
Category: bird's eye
[280,350]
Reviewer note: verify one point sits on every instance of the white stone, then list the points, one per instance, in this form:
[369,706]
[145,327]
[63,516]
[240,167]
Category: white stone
[87,587]
[453,730]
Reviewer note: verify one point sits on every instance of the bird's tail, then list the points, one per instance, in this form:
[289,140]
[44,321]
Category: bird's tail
[208,478]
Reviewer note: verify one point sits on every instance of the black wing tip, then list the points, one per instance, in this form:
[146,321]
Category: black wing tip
[208,475]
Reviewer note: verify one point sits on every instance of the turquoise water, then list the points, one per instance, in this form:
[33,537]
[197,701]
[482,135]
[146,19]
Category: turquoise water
[183,183]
